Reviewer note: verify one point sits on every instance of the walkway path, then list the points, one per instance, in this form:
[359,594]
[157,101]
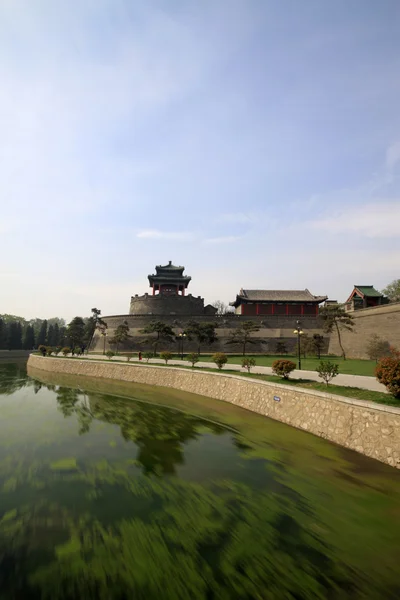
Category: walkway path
[359,381]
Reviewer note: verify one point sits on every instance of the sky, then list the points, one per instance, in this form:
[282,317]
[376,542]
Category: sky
[255,142]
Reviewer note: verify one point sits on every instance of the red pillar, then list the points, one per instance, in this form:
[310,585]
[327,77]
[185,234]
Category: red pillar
[273,307]
[153,290]
[287,309]
[302,310]
[183,290]
[257,309]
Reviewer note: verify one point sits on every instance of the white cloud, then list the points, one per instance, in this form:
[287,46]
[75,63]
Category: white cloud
[378,220]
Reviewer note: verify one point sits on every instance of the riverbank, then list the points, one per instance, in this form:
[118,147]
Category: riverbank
[371,429]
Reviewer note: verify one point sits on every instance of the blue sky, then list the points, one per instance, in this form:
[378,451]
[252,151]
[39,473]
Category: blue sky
[256,142]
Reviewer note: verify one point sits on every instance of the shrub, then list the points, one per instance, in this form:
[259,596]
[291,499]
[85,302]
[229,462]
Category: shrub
[220,359]
[49,350]
[66,350]
[128,356]
[78,351]
[327,370]
[42,349]
[110,354]
[166,356]
[57,350]
[148,356]
[193,358]
[283,367]
[388,372]
[248,363]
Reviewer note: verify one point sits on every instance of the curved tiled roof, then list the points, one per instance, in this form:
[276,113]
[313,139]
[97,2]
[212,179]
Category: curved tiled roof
[280,296]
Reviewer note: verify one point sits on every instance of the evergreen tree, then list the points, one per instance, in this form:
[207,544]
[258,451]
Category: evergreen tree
[42,337]
[76,332]
[62,336]
[14,336]
[3,335]
[29,338]
[50,335]
[56,335]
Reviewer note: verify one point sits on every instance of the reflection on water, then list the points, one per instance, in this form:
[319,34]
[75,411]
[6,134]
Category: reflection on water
[113,497]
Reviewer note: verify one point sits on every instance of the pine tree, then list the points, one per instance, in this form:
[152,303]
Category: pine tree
[50,336]
[76,332]
[14,336]
[56,335]
[29,338]
[42,337]
[3,335]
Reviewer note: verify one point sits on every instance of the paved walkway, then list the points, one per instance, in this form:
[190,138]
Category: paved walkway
[359,381]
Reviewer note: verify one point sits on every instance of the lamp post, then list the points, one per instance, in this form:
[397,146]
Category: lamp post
[104,334]
[181,337]
[298,331]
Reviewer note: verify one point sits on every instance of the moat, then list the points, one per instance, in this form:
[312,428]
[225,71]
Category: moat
[117,491]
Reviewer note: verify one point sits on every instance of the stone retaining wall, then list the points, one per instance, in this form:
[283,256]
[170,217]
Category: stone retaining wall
[372,429]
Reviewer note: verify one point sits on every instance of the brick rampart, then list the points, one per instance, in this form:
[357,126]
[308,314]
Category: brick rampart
[381,320]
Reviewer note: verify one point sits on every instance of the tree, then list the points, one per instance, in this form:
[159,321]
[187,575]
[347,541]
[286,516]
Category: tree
[42,335]
[327,370]
[283,367]
[242,335]
[110,354]
[3,334]
[220,359]
[318,343]
[166,356]
[204,333]
[76,332]
[336,318]
[57,339]
[14,336]
[192,358]
[388,372]
[50,336]
[307,345]
[377,347]
[94,322]
[281,348]
[29,338]
[248,363]
[222,308]
[162,330]
[392,291]
[121,335]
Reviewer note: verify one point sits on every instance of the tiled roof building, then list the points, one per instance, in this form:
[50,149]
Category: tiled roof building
[277,302]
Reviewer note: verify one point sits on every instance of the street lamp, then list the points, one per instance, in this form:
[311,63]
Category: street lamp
[181,337]
[104,334]
[298,331]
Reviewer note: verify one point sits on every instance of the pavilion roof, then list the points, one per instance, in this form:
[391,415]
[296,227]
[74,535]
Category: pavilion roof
[368,290]
[277,296]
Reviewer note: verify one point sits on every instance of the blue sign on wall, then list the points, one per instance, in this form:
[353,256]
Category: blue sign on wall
[277,399]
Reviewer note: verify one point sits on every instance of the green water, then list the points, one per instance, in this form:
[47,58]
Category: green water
[119,491]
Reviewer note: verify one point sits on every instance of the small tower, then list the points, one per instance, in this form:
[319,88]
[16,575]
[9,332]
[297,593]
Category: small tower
[169,280]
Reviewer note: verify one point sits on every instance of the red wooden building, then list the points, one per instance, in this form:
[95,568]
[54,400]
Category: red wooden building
[364,296]
[169,280]
[295,303]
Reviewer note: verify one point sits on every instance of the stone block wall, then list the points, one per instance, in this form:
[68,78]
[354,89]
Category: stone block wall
[273,329]
[371,429]
[382,320]
[166,305]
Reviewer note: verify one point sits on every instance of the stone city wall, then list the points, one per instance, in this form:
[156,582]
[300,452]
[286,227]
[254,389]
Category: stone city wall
[166,305]
[273,329]
[371,429]
[382,320]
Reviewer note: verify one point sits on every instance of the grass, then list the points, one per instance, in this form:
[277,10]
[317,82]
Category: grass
[351,366]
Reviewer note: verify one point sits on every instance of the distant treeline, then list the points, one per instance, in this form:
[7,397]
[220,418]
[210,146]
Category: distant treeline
[17,333]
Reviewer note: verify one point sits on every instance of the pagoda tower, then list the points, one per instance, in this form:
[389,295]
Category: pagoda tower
[169,280]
